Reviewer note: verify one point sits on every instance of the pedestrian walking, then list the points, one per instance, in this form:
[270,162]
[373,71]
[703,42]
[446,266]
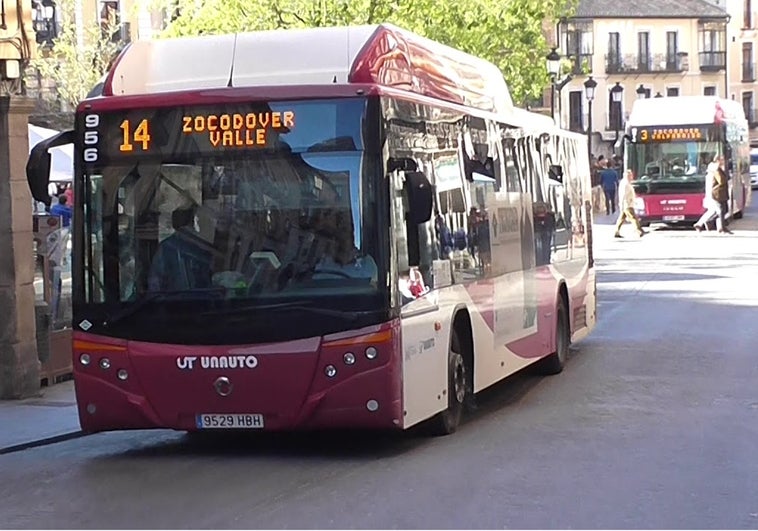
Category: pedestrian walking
[626,205]
[716,196]
[609,180]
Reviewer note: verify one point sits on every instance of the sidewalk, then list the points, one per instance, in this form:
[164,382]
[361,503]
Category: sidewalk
[50,417]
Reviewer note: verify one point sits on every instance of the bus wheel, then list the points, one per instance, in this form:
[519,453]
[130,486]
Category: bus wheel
[554,363]
[447,422]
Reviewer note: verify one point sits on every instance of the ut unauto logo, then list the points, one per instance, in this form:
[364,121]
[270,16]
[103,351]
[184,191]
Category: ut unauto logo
[240,361]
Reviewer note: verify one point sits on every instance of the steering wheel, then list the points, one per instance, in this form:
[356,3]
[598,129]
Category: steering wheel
[337,272]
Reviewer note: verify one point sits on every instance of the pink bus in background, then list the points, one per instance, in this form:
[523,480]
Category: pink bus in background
[669,143]
[339,227]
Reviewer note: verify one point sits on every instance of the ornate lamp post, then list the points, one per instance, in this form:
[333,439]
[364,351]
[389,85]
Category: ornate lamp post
[617,94]
[641,92]
[589,92]
[553,61]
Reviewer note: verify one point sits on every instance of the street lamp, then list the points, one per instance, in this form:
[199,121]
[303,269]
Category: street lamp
[44,22]
[658,95]
[641,92]
[589,92]
[553,61]
[617,94]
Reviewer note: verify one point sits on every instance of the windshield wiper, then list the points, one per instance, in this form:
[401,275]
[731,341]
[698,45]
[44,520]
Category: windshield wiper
[299,305]
[162,295]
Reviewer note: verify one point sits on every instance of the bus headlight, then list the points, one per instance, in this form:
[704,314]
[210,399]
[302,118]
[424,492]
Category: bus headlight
[639,205]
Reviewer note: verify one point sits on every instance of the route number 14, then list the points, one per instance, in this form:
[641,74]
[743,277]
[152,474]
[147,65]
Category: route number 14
[138,135]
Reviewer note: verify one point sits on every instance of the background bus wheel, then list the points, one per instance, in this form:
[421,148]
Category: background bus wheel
[448,421]
[554,363]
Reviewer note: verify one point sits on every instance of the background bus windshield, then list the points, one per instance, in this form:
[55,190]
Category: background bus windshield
[671,167]
[248,232]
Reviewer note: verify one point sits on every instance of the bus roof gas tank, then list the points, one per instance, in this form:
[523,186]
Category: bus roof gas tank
[684,110]
[382,55]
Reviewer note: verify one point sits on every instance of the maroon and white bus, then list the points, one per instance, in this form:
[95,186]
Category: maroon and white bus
[336,227]
[669,143]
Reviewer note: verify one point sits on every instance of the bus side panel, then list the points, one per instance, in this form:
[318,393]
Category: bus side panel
[425,350]
[424,354]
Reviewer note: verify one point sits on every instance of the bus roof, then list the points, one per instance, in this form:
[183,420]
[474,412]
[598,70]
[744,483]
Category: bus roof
[683,110]
[532,121]
[382,54]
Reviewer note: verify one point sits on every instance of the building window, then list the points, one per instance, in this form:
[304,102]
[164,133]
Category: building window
[578,42]
[748,69]
[643,51]
[747,105]
[576,111]
[110,21]
[672,92]
[747,15]
[45,20]
[614,52]
[710,90]
[712,46]
[672,50]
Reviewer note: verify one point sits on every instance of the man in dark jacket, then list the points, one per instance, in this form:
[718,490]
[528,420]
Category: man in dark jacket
[609,179]
[716,196]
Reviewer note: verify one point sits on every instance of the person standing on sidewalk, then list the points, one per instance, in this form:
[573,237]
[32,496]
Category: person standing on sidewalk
[609,179]
[626,205]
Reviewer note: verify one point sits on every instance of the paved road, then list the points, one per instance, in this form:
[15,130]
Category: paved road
[654,424]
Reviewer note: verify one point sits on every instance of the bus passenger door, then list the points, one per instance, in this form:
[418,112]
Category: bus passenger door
[424,343]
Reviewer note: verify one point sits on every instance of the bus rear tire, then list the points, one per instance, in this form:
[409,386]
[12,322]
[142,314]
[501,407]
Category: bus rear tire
[554,363]
[447,421]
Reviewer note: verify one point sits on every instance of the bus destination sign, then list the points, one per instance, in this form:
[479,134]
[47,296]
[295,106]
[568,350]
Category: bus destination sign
[222,130]
[157,132]
[656,134]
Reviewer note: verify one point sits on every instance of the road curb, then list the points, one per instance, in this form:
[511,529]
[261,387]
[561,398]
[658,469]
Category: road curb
[42,442]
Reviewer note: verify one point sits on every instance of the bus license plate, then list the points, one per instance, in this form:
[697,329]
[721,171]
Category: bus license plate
[673,218]
[229,421]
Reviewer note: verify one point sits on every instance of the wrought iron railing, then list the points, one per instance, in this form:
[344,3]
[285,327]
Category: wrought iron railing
[642,64]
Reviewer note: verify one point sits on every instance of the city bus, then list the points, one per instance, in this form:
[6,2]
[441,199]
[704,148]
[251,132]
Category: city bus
[311,229]
[669,143]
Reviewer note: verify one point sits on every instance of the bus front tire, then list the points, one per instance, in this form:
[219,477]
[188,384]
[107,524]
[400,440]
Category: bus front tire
[554,363]
[447,421]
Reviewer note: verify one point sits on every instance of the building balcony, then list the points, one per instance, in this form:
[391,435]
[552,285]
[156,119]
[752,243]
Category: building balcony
[581,63]
[748,72]
[712,61]
[651,64]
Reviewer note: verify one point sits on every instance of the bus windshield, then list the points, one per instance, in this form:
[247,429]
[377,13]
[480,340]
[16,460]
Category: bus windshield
[200,234]
[671,167]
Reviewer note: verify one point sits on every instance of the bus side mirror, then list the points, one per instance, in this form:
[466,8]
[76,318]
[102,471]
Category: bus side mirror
[420,197]
[555,172]
[38,165]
